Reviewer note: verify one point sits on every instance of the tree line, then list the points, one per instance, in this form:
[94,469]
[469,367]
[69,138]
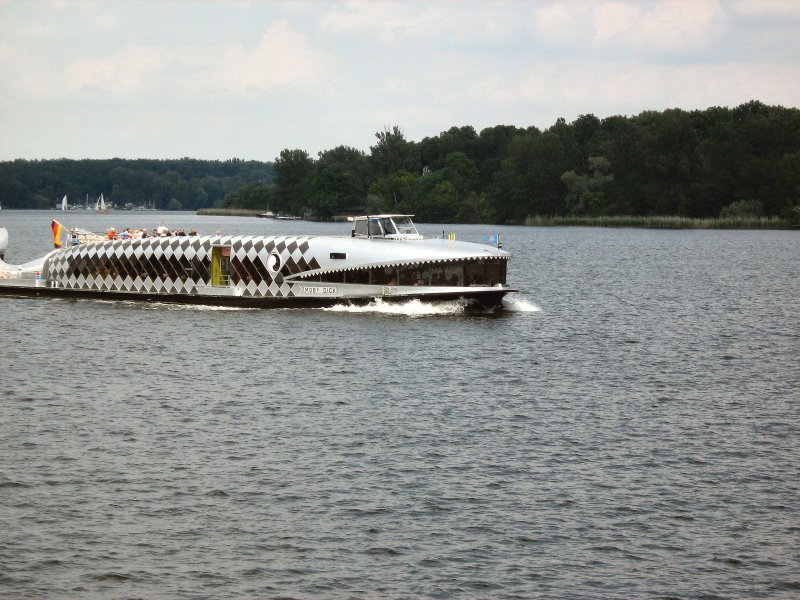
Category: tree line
[742,161]
[183,184]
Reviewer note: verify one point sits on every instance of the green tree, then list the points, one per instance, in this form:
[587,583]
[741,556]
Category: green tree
[395,192]
[435,199]
[393,153]
[339,182]
[743,208]
[491,148]
[293,170]
[460,170]
[252,196]
[669,147]
[585,192]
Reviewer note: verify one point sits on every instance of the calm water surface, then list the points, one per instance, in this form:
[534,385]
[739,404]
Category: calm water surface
[628,427]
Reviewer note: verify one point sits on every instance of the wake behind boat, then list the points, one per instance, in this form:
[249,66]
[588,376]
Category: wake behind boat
[384,257]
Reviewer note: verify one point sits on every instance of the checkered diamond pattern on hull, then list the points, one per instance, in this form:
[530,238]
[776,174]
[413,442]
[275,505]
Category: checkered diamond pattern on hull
[176,265]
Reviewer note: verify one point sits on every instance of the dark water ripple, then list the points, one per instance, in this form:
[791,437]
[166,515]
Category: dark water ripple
[635,438]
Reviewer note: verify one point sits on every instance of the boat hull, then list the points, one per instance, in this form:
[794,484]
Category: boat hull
[479,299]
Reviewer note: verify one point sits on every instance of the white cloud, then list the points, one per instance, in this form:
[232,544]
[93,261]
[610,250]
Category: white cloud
[406,22]
[558,24]
[676,26]
[768,8]
[610,89]
[615,18]
[401,87]
[133,69]
[107,21]
[282,57]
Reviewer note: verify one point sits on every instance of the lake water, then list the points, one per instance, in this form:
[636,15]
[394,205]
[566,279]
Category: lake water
[627,427]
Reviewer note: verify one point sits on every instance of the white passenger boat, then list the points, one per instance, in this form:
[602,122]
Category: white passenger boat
[384,257]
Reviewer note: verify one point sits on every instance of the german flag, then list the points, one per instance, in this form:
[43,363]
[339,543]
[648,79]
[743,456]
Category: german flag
[58,228]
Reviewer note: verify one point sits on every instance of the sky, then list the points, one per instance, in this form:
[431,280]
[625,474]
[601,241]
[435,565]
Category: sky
[247,79]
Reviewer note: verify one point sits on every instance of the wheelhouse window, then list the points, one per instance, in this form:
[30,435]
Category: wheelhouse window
[404,225]
[372,227]
[388,226]
[383,226]
[376,227]
[361,227]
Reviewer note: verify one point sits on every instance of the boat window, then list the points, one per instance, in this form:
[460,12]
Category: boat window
[388,226]
[361,227]
[375,227]
[414,275]
[383,276]
[404,225]
[452,275]
[474,274]
[496,272]
[332,277]
[358,276]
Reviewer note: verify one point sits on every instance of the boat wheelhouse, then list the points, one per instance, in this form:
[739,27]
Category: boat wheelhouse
[384,257]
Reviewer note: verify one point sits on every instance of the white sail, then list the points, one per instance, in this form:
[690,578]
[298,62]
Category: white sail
[64,203]
[100,205]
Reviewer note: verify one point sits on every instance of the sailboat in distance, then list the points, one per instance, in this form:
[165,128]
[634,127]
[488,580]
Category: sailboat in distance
[64,203]
[100,206]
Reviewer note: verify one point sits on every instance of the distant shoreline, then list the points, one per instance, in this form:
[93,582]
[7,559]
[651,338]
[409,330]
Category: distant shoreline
[229,212]
[662,222]
[655,222]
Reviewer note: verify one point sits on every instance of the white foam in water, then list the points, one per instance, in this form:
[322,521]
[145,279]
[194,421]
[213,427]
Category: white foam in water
[189,307]
[519,304]
[202,307]
[412,308]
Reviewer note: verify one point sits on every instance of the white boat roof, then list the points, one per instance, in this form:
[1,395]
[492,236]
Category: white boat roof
[381,216]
